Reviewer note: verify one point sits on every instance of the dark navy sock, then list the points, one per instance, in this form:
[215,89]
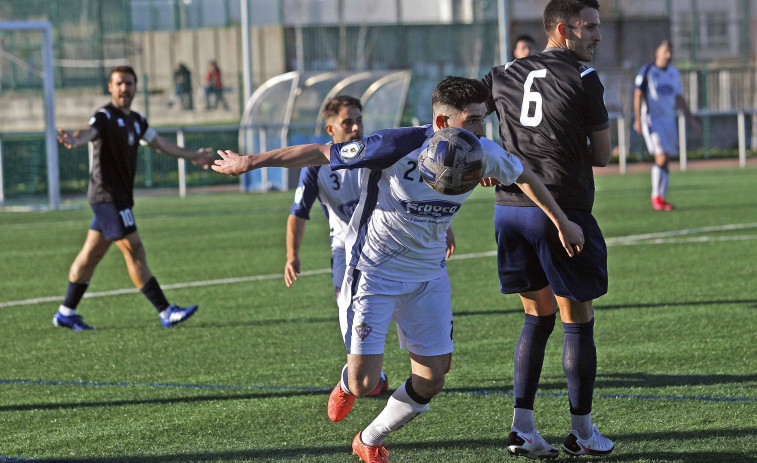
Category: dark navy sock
[529,358]
[74,293]
[579,361]
[414,395]
[155,295]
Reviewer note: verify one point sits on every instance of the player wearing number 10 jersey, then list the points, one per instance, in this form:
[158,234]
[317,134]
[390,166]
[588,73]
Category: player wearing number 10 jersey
[549,105]
[116,133]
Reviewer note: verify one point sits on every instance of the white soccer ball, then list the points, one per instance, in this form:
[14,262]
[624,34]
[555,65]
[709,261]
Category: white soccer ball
[452,161]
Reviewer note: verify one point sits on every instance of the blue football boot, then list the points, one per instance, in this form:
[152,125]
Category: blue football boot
[175,314]
[74,322]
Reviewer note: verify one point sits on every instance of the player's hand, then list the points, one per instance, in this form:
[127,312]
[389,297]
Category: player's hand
[572,238]
[66,139]
[231,163]
[489,181]
[637,126]
[291,269]
[450,242]
[204,158]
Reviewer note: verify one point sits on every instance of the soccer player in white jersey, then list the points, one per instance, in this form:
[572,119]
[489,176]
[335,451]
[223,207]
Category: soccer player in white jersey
[657,96]
[338,191]
[397,266]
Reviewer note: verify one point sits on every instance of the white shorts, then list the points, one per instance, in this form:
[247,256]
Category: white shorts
[422,311]
[661,137]
[338,266]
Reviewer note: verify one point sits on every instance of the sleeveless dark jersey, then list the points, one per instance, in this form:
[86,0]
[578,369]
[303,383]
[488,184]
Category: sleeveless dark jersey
[547,105]
[114,162]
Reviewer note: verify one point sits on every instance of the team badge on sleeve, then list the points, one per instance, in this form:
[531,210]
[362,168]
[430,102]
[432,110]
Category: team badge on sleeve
[351,151]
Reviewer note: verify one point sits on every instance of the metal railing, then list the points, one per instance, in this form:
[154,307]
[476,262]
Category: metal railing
[621,121]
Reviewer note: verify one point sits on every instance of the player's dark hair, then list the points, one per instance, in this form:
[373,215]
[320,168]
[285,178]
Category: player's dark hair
[459,92]
[332,107]
[562,11]
[123,70]
[524,38]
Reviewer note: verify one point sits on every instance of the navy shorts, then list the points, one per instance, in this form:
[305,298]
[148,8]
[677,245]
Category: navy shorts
[112,220]
[530,255]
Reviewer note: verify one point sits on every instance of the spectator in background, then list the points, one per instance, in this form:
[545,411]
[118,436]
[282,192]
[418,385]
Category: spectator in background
[182,78]
[524,46]
[657,96]
[214,86]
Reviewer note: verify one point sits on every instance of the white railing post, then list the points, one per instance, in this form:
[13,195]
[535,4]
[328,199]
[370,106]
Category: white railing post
[741,123]
[622,149]
[182,165]
[2,187]
[264,170]
[682,140]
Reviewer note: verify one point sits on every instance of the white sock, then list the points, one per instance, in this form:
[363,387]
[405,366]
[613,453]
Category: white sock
[523,420]
[582,425]
[399,410]
[344,381]
[656,180]
[664,177]
[65,311]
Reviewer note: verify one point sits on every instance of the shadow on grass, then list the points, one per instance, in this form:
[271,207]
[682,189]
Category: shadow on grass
[600,307]
[168,400]
[647,380]
[497,444]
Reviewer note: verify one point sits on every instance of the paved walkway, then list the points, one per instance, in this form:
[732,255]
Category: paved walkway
[699,164]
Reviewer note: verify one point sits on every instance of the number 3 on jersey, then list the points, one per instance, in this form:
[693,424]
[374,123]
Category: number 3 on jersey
[532,97]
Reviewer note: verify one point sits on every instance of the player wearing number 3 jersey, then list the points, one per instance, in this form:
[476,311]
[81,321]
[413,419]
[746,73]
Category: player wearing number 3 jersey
[549,105]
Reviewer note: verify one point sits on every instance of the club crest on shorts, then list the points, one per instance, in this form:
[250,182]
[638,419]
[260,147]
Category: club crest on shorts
[351,151]
[363,330]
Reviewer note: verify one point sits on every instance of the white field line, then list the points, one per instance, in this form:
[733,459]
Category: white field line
[669,237]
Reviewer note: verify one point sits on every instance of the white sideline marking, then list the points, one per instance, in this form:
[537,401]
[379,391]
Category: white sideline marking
[668,237]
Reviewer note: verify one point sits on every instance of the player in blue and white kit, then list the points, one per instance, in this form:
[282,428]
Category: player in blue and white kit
[397,266]
[657,96]
[337,191]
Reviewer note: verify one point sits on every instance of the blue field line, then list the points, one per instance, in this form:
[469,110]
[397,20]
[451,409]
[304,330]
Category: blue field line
[324,389]
[175,385]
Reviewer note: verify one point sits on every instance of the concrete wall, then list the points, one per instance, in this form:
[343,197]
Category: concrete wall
[153,56]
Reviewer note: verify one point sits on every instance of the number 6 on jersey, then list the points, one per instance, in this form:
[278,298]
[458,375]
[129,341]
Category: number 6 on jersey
[532,97]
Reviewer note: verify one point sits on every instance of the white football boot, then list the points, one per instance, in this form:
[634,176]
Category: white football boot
[596,445]
[530,445]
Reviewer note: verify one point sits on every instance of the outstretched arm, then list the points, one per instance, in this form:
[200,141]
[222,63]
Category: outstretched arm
[78,138]
[232,163]
[295,234]
[201,157]
[571,235]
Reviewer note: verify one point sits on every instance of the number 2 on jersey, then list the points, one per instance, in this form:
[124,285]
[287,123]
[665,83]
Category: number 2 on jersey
[532,97]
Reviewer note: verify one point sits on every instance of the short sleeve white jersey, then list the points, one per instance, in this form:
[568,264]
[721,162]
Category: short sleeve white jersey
[660,87]
[399,228]
[338,191]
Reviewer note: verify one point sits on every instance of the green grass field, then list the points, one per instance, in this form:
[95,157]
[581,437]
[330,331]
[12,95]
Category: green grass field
[247,379]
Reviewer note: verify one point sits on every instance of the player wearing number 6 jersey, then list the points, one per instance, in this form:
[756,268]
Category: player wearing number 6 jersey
[549,105]
[116,132]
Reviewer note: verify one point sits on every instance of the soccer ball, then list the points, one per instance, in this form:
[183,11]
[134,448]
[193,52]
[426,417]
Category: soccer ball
[452,161]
